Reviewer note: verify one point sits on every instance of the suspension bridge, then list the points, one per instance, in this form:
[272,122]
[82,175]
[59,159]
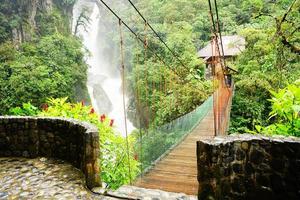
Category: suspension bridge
[167,153]
[177,171]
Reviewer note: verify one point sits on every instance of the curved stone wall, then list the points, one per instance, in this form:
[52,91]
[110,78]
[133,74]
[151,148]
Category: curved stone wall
[66,139]
[249,167]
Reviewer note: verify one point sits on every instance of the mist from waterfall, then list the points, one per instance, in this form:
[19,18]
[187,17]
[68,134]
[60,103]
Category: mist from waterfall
[104,77]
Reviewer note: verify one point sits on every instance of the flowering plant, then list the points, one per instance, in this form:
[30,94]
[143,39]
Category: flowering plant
[114,160]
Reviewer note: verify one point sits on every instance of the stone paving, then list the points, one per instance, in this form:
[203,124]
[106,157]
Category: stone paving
[44,178]
[150,194]
[41,178]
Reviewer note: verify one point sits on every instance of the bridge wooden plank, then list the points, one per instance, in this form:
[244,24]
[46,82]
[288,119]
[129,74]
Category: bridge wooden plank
[162,173]
[171,185]
[177,171]
[171,161]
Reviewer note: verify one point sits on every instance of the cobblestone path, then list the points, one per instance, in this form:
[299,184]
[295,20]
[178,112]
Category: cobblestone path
[41,178]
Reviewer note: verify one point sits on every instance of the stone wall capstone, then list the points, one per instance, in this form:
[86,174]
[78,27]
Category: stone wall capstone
[66,139]
[249,167]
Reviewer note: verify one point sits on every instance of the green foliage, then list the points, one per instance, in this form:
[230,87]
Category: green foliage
[250,102]
[69,2]
[27,109]
[114,157]
[21,23]
[51,22]
[39,58]
[9,19]
[168,89]
[266,64]
[285,114]
[53,67]
[4,29]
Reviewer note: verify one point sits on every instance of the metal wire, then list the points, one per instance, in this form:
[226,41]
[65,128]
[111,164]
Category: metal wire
[222,97]
[123,91]
[157,35]
[220,32]
[134,33]
[215,33]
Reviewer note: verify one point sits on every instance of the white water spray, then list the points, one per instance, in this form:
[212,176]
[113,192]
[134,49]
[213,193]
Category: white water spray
[105,87]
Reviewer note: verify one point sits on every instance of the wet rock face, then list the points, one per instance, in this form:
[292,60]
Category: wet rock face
[249,167]
[41,178]
[28,10]
[69,140]
[103,102]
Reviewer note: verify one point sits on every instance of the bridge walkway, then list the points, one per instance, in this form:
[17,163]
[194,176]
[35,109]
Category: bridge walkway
[177,171]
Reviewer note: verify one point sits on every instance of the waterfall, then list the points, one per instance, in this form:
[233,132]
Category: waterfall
[104,77]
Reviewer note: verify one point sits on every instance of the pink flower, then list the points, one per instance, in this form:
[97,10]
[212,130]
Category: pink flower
[111,122]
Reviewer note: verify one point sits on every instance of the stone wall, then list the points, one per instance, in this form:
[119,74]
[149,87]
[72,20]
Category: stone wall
[249,167]
[66,139]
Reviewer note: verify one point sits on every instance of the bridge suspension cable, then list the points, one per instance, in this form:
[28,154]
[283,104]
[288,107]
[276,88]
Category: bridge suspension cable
[150,86]
[157,35]
[219,30]
[218,35]
[222,96]
[136,34]
[123,94]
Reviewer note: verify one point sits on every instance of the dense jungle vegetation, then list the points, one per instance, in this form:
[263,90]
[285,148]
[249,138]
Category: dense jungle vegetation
[270,62]
[39,57]
[42,62]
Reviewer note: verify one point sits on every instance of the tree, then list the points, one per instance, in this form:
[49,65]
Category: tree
[52,68]
[285,114]
[266,64]
[82,21]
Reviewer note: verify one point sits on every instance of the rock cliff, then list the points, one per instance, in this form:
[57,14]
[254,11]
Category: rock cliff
[24,18]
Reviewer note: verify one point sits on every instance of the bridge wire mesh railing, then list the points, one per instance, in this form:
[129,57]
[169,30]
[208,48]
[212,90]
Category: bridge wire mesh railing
[160,140]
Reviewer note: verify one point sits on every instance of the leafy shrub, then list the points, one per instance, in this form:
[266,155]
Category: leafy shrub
[54,67]
[250,103]
[114,156]
[50,22]
[285,113]
[27,109]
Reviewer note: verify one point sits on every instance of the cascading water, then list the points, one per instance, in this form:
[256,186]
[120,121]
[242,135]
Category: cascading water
[104,78]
